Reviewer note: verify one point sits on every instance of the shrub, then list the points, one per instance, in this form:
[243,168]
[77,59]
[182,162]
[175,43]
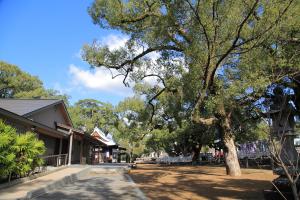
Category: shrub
[19,153]
[7,155]
[28,148]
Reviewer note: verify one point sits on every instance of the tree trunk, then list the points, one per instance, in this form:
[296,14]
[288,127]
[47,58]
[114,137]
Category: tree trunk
[196,153]
[9,176]
[231,159]
[295,193]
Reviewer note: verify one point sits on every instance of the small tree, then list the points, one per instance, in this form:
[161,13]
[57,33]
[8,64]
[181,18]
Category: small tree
[282,128]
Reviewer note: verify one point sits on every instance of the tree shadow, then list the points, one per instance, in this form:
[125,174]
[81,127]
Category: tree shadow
[95,188]
[184,184]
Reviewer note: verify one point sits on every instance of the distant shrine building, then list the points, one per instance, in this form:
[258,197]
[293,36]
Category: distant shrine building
[108,150]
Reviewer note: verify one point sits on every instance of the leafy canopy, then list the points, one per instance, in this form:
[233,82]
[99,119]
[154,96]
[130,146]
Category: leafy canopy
[15,83]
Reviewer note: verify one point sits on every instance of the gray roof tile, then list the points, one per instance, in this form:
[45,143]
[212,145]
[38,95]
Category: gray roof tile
[25,106]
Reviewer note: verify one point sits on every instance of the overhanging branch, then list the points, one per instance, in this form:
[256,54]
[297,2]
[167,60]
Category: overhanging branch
[144,53]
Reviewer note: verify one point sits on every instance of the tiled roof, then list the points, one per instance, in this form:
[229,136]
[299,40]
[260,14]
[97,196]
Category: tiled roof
[108,140]
[25,106]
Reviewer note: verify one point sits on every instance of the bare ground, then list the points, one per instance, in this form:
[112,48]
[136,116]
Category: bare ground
[200,182]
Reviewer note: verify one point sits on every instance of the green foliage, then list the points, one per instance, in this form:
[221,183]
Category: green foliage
[28,149]
[19,153]
[158,140]
[90,113]
[216,60]
[132,124]
[15,83]
[7,154]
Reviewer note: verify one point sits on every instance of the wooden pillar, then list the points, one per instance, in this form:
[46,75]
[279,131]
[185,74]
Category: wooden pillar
[59,152]
[70,147]
[81,144]
[98,156]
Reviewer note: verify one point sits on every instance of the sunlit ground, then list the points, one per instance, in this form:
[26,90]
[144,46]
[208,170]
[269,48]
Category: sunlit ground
[200,182]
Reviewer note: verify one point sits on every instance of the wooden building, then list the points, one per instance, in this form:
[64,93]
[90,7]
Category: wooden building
[108,150]
[49,119]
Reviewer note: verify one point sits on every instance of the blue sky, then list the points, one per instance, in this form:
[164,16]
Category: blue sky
[44,38]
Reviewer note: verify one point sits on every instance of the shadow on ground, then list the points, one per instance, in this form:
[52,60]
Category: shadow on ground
[200,182]
[112,186]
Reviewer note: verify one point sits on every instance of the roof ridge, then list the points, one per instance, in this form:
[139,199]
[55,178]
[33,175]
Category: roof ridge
[26,106]
[28,99]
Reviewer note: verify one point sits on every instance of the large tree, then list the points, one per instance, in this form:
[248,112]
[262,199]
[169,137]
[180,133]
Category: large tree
[206,35]
[132,125]
[15,83]
[91,113]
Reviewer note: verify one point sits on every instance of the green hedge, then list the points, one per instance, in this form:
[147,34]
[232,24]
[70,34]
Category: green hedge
[19,153]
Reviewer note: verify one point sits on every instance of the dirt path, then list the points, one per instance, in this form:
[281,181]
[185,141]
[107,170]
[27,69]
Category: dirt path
[200,182]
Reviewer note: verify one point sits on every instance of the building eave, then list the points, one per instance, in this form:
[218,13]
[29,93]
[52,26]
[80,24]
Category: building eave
[36,125]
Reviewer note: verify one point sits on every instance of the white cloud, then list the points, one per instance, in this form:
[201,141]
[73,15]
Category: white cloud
[114,41]
[99,79]
[153,55]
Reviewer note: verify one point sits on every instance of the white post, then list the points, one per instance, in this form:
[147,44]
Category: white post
[70,147]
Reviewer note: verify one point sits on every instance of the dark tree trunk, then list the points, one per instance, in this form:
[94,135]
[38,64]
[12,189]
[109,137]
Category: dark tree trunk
[9,176]
[196,153]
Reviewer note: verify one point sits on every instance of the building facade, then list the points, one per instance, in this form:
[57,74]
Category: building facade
[50,121]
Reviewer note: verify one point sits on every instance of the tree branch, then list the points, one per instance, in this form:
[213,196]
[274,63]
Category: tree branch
[237,37]
[156,75]
[235,45]
[144,53]
[206,37]
[138,18]
[152,105]
[145,15]
[205,121]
